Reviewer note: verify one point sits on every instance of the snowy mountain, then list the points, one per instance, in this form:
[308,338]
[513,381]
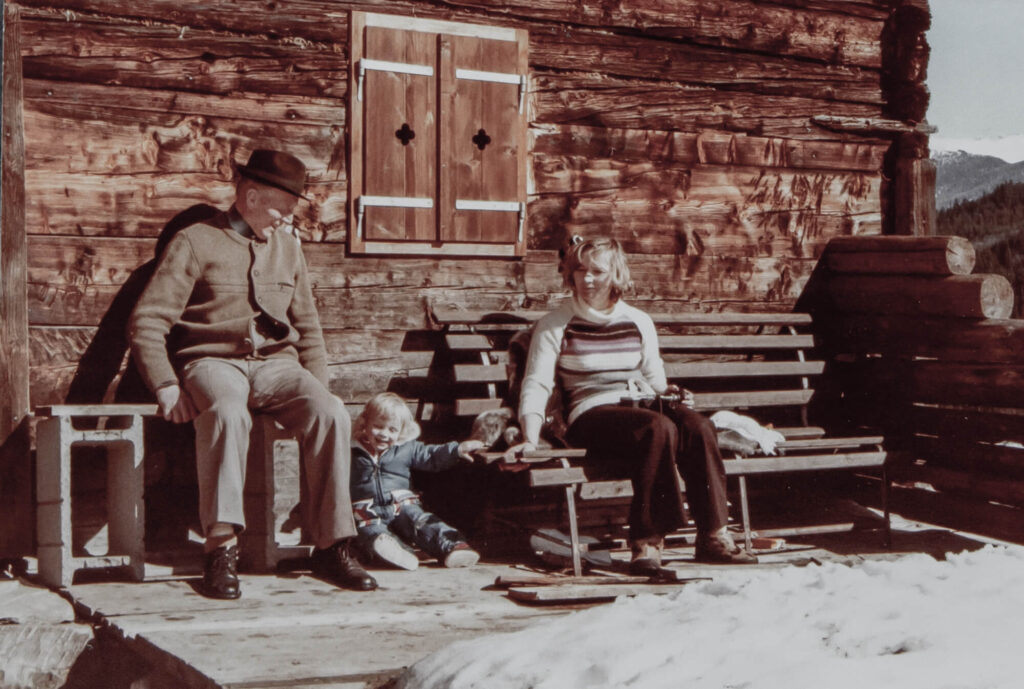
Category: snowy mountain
[962,176]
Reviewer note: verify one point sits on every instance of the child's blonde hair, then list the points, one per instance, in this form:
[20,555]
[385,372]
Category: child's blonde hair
[391,407]
[578,252]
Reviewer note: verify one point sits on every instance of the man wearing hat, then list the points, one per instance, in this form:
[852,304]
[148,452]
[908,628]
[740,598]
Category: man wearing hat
[227,325]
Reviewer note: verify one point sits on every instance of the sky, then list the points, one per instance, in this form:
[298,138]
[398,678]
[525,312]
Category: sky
[913,623]
[976,77]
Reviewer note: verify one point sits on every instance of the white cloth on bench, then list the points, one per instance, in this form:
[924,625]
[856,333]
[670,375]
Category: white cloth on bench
[766,438]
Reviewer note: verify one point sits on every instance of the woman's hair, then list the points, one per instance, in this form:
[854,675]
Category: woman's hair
[391,407]
[580,250]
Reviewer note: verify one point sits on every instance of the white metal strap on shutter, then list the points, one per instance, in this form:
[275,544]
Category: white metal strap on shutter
[501,206]
[366,64]
[390,202]
[496,77]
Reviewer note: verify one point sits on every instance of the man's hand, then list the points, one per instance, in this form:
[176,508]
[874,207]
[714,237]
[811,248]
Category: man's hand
[468,447]
[175,404]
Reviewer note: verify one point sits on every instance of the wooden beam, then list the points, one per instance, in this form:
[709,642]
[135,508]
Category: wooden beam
[871,125]
[14,400]
[947,339]
[17,532]
[901,255]
[742,369]
[646,142]
[965,296]
[773,465]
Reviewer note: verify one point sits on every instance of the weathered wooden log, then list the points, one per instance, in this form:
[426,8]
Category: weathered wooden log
[757,189]
[901,255]
[597,99]
[886,381]
[913,193]
[897,243]
[745,209]
[74,280]
[870,125]
[946,339]
[954,452]
[828,31]
[977,424]
[966,483]
[619,146]
[990,385]
[124,106]
[586,50]
[95,50]
[966,296]
[14,317]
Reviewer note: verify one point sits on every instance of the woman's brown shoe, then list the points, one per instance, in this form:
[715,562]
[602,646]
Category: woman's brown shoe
[719,548]
[646,556]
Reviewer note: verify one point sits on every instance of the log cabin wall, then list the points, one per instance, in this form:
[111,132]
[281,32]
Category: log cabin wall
[723,142]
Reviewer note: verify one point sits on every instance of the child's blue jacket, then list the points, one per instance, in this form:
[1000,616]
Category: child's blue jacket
[377,480]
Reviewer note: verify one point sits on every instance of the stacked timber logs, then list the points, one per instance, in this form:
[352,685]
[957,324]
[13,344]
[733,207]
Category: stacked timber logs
[923,348]
[927,276]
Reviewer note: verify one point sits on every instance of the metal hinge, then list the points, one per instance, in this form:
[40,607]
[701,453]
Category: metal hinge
[389,202]
[386,66]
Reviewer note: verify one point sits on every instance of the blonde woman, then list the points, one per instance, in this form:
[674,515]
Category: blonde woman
[597,348]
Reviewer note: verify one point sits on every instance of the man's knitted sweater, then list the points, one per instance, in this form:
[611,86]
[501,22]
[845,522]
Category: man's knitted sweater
[593,355]
[210,287]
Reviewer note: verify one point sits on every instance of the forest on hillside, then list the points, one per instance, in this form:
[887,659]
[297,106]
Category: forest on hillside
[995,226]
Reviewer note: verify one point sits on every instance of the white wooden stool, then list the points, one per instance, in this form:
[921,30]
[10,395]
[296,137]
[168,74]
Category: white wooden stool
[55,437]
[274,483]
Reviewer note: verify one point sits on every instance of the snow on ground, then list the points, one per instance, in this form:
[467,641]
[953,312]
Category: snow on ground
[914,623]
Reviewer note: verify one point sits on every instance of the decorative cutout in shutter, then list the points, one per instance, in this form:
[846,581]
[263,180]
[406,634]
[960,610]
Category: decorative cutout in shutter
[438,137]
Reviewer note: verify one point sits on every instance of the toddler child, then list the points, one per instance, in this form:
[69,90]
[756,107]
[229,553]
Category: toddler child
[384,453]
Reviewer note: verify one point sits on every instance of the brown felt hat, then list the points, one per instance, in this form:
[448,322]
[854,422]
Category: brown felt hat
[277,169]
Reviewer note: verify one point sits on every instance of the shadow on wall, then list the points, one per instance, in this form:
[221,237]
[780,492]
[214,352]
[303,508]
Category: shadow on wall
[170,459]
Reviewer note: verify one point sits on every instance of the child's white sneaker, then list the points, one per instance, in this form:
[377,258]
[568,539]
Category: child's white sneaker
[461,556]
[391,550]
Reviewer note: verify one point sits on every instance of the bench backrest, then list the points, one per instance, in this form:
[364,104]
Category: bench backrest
[738,361]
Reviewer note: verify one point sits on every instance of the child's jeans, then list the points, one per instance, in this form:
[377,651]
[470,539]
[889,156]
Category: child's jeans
[407,519]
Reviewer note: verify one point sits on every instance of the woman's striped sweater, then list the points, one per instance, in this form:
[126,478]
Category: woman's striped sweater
[593,355]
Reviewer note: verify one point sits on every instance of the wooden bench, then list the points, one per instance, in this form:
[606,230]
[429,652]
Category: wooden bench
[757,364]
[118,428]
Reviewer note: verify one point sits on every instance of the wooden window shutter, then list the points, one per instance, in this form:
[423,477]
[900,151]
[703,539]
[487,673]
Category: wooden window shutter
[437,137]
[484,135]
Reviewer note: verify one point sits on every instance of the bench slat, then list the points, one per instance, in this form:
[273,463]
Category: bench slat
[703,401]
[795,432]
[471,342]
[557,477]
[733,343]
[602,490]
[713,401]
[778,465]
[478,373]
[742,369]
[96,410]
[447,316]
[830,443]
[474,406]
